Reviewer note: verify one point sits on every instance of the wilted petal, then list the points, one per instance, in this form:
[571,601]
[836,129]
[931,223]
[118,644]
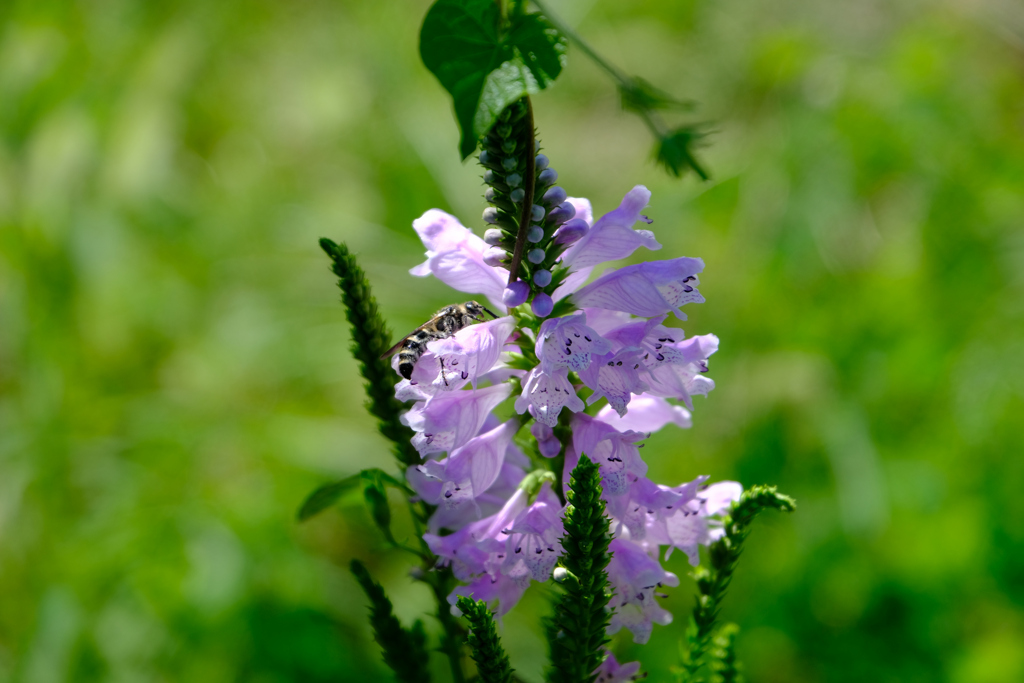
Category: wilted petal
[612,237]
[456,257]
[646,289]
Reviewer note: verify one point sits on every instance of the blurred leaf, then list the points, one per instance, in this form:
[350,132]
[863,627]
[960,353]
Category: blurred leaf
[640,96]
[675,152]
[325,496]
[483,69]
[328,494]
[380,510]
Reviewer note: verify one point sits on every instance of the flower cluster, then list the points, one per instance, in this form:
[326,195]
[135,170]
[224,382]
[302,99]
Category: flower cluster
[498,516]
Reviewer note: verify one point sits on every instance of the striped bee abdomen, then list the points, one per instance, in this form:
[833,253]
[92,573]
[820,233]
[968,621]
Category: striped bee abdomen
[412,349]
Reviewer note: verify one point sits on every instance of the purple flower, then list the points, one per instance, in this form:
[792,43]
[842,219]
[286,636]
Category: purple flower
[646,289]
[696,524]
[615,377]
[456,257]
[615,453]
[568,342]
[545,393]
[451,363]
[646,507]
[504,590]
[456,483]
[448,420]
[478,547]
[612,237]
[532,546]
[676,370]
[611,671]
[646,414]
[635,577]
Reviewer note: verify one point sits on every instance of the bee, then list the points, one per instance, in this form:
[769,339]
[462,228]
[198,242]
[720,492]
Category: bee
[444,324]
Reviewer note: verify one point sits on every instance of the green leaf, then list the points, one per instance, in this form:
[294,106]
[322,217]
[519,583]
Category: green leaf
[484,68]
[380,510]
[541,47]
[675,152]
[328,494]
[639,95]
[325,496]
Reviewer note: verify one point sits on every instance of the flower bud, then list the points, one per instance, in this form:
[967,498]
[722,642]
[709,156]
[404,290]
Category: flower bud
[514,180]
[562,213]
[549,448]
[554,195]
[515,294]
[542,278]
[548,176]
[517,194]
[485,158]
[493,256]
[493,236]
[536,256]
[489,176]
[537,212]
[508,163]
[570,231]
[508,146]
[489,194]
[490,215]
[536,234]
[541,431]
[542,305]
[541,162]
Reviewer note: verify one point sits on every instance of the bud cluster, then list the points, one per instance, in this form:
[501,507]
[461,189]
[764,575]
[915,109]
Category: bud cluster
[549,226]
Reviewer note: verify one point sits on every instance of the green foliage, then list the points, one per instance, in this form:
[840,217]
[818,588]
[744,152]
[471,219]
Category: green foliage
[404,650]
[485,65]
[674,151]
[328,494]
[370,339]
[576,631]
[713,582]
[639,96]
[484,645]
[723,656]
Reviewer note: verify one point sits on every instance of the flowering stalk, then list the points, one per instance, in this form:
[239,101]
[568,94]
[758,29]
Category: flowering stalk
[404,649]
[491,661]
[577,631]
[723,555]
[370,338]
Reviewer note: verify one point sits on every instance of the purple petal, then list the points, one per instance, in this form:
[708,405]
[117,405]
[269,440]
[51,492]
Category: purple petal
[612,237]
[646,414]
[646,289]
[456,257]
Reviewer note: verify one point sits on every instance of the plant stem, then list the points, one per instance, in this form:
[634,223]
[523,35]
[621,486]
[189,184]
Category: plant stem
[529,183]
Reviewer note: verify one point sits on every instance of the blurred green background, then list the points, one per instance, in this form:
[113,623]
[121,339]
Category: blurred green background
[174,375]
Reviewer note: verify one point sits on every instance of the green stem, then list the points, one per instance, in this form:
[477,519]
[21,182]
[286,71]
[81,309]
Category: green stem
[623,80]
[529,183]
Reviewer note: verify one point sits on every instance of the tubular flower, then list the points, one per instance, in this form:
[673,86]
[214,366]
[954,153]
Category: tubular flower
[496,523]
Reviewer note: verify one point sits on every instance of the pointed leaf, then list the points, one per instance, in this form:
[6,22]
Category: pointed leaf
[325,496]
